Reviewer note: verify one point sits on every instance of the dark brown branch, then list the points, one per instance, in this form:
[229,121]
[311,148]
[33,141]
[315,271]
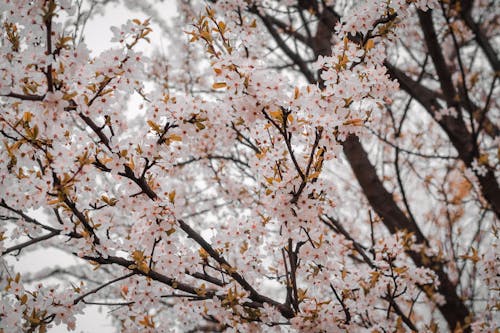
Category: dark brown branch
[289,291]
[288,140]
[380,199]
[289,30]
[342,304]
[108,303]
[463,141]
[48,36]
[440,65]
[21,246]
[480,36]
[208,278]
[292,257]
[25,97]
[26,217]
[93,291]
[403,317]
[188,288]
[96,129]
[246,141]
[151,273]
[411,152]
[338,228]
[254,295]
[305,179]
[212,157]
[81,217]
[284,47]
[456,130]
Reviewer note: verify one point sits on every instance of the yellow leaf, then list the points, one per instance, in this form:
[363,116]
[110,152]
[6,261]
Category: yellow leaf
[210,12]
[175,137]
[375,276]
[400,270]
[296,93]
[35,131]
[354,122]
[143,266]
[222,26]
[277,114]
[269,180]
[228,268]
[27,117]
[343,60]
[171,197]
[206,35]
[314,175]
[369,44]
[462,189]
[131,164]
[147,321]
[53,202]
[261,154]
[95,264]
[199,125]
[138,256]
[69,96]
[301,294]
[244,247]
[219,85]
[202,290]
[203,254]
[109,201]
[474,257]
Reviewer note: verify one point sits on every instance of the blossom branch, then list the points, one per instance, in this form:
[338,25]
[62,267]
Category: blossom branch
[254,295]
[21,246]
[25,97]
[337,227]
[305,179]
[342,304]
[95,290]
[378,196]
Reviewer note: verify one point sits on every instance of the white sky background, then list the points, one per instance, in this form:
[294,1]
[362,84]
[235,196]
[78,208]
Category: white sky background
[97,37]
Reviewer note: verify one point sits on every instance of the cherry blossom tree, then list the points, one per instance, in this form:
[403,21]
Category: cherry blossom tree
[303,166]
